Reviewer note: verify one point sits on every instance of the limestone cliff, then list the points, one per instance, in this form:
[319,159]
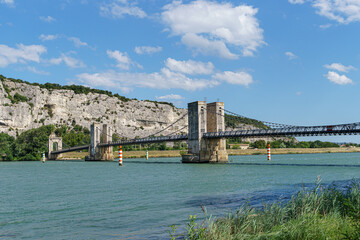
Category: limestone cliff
[24,106]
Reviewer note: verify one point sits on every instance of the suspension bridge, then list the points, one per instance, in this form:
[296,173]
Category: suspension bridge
[206,135]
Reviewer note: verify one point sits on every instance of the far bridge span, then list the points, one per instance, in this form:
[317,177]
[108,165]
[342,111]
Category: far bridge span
[205,138]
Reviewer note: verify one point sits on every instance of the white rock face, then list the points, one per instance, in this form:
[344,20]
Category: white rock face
[63,107]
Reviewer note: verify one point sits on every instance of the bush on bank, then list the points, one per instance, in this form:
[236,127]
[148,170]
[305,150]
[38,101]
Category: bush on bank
[321,213]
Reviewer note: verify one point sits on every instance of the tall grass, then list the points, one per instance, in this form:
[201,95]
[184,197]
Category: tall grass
[319,213]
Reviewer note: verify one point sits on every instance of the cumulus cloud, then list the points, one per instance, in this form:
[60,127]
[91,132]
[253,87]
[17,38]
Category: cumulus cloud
[120,8]
[238,78]
[290,55]
[165,79]
[147,49]
[170,97]
[341,11]
[77,42]
[338,79]
[344,11]
[122,59]
[210,27]
[68,60]
[205,46]
[20,54]
[49,37]
[47,19]
[189,67]
[10,3]
[339,67]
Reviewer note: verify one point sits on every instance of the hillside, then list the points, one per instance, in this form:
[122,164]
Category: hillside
[25,106]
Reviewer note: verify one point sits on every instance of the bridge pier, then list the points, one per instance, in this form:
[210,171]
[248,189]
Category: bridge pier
[55,144]
[203,118]
[98,135]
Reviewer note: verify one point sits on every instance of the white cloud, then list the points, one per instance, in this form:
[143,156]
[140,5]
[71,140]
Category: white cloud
[296,1]
[147,49]
[47,19]
[34,70]
[189,67]
[68,60]
[339,67]
[338,79]
[325,26]
[165,79]
[120,8]
[21,54]
[204,46]
[238,78]
[49,37]
[344,11]
[10,3]
[211,27]
[290,55]
[123,61]
[170,97]
[77,42]
[341,11]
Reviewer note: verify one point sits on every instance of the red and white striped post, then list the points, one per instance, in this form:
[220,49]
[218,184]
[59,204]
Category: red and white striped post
[120,156]
[268,152]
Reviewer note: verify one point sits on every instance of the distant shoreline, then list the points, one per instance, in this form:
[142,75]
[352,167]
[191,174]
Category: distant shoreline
[231,152]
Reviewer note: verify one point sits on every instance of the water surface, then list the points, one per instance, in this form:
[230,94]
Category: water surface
[100,200]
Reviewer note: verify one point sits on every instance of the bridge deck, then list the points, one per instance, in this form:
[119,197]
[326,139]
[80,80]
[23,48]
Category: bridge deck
[344,129]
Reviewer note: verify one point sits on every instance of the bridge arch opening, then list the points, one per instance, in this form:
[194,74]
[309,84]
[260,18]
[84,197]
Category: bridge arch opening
[55,146]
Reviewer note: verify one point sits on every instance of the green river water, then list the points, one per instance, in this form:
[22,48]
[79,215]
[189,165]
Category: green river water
[100,200]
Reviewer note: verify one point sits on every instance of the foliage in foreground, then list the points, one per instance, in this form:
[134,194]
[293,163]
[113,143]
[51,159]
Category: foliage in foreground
[310,214]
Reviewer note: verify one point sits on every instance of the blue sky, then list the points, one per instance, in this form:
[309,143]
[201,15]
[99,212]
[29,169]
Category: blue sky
[287,61]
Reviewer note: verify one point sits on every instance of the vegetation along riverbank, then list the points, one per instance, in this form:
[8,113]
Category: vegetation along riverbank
[320,213]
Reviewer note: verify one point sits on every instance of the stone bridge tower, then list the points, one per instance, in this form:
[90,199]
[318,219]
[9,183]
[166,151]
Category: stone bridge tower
[55,144]
[100,134]
[203,118]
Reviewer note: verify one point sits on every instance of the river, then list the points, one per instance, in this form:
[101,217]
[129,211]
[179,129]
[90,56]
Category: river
[100,200]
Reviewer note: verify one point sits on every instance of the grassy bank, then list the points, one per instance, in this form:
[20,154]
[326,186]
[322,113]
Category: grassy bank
[311,214]
[176,153]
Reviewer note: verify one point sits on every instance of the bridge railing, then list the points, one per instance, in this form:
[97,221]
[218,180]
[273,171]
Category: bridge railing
[353,128]
[146,140]
[72,149]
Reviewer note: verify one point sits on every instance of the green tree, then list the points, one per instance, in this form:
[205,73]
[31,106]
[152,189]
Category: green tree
[32,143]
[259,144]
[7,147]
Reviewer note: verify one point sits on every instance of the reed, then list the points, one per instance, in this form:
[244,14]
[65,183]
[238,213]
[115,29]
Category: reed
[318,213]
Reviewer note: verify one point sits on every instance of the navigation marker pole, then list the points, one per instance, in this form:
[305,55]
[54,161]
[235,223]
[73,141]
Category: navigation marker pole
[147,155]
[120,156]
[268,152]
[43,157]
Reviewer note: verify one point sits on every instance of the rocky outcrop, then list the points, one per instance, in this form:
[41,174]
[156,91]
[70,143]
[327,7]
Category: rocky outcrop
[129,119]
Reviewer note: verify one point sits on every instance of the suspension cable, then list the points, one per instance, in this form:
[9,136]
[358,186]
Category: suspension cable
[270,124]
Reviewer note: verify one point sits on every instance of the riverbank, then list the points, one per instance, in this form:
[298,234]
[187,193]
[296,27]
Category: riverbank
[231,152]
[320,213]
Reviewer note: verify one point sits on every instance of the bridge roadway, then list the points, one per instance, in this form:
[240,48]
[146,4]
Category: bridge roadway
[291,131]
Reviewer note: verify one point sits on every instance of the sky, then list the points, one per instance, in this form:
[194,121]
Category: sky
[285,61]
